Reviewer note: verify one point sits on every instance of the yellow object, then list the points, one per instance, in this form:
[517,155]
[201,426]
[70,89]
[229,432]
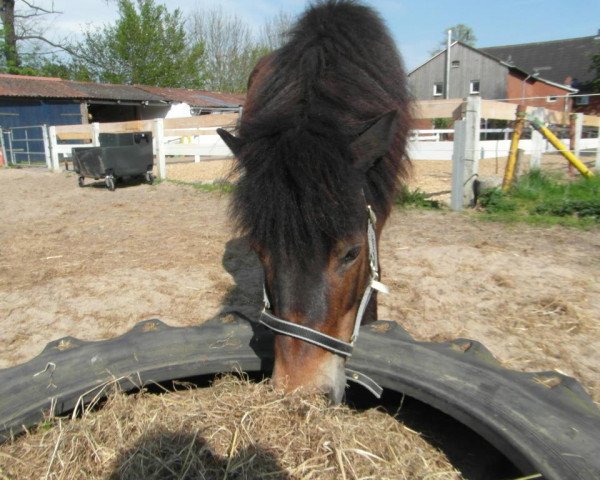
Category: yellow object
[509,172]
[562,149]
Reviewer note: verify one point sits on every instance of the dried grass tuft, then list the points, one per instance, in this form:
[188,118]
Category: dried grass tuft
[233,430]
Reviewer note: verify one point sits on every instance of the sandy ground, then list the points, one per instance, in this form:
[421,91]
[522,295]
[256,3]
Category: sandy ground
[91,263]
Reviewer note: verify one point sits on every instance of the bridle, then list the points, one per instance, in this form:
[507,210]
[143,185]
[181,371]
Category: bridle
[329,343]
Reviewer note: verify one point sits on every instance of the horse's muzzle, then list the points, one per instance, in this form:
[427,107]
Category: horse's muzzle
[325,374]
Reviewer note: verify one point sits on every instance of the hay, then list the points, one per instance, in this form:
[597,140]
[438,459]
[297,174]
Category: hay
[233,430]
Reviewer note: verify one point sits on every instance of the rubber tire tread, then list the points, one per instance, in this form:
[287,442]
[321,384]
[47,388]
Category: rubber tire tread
[543,422]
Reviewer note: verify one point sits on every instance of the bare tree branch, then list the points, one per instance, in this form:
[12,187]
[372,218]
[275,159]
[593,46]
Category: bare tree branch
[39,9]
[64,48]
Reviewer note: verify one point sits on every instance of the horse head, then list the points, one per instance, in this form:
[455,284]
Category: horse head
[318,250]
[320,152]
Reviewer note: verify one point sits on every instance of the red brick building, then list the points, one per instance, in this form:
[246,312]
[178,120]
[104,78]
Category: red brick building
[565,61]
[537,92]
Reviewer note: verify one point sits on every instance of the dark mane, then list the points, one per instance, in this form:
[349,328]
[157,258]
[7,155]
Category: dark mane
[298,185]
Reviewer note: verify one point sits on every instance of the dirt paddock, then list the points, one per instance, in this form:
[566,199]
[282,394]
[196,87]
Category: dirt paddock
[91,263]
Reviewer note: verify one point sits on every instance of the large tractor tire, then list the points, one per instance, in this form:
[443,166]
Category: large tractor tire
[542,422]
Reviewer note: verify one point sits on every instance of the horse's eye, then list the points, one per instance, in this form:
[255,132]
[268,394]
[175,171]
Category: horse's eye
[351,255]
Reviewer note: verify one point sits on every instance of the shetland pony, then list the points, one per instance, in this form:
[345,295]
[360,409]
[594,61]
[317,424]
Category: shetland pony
[320,151]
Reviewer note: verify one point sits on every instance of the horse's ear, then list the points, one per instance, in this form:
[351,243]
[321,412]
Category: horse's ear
[375,141]
[234,143]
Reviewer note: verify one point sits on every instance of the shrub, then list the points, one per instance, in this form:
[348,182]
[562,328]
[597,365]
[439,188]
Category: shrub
[415,198]
[495,201]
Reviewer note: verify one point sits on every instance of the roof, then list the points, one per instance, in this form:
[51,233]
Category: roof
[199,98]
[508,65]
[49,87]
[556,60]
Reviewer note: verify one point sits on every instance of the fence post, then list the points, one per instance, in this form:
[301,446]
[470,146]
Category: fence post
[10,148]
[537,142]
[597,163]
[47,155]
[458,165]
[471,167]
[95,134]
[53,149]
[578,134]
[519,165]
[159,133]
[196,141]
[575,131]
[466,153]
[4,161]
[511,162]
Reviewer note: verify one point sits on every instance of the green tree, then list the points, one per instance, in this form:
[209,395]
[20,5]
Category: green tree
[461,33]
[147,45]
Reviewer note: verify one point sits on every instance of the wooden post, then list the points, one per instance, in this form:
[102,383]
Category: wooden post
[95,134]
[47,155]
[514,146]
[578,134]
[562,149]
[159,133]
[196,140]
[572,139]
[537,142]
[53,149]
[458,162]
[597,163]
[520,162]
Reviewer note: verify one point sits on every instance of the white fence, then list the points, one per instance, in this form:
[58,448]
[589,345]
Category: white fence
[196,137]
[172,137]
[442,150]
[423,145]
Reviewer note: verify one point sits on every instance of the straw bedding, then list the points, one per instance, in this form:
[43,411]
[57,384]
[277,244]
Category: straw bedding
[233,430]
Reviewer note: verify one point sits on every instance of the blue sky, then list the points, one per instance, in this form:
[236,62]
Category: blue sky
[417,25]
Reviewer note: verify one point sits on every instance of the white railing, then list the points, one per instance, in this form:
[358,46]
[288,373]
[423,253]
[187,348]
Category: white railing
[442,150]
[466,144]
[172,137]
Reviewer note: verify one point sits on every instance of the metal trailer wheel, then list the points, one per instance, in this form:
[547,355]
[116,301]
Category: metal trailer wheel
[150,177]
[542,422]
[109,180]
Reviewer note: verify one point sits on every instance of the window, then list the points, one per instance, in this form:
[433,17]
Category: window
[474,86]
[551,99]
[438,89]
[584,100]
[455,63]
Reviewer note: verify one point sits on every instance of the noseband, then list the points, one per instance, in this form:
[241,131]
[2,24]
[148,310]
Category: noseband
[329,343]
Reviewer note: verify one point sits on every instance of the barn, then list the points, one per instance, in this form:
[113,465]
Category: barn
[28,103]
[472,71]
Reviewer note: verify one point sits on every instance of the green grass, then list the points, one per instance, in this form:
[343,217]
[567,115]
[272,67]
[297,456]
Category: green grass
[217,186]
[544,199]
[415,199]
